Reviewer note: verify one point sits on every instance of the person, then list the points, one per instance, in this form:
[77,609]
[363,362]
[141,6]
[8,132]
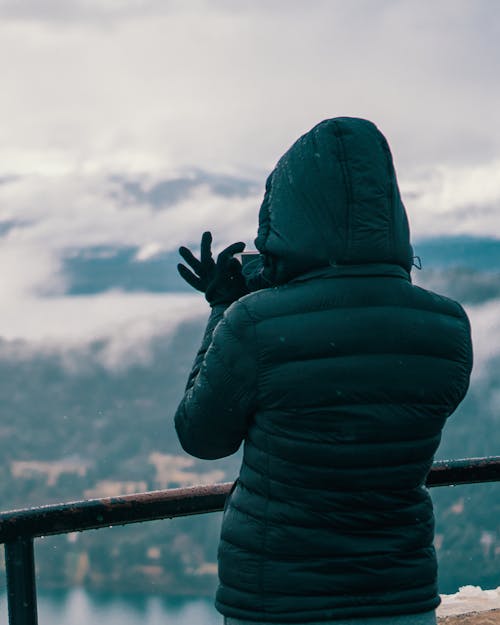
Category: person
[338,375]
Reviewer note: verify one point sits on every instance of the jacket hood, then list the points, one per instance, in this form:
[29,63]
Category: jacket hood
[333,200]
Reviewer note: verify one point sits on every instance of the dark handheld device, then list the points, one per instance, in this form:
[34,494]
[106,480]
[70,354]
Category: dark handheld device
[252,270]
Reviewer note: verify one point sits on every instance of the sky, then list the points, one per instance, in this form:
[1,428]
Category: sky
[101,97]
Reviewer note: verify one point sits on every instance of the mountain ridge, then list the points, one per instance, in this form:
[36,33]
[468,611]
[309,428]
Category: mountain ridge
[98,269]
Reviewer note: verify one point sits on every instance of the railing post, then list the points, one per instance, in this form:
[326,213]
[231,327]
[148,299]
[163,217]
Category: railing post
[21,589]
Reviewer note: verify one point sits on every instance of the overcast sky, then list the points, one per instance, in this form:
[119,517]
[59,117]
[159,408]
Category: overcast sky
[140,86]
[99,90]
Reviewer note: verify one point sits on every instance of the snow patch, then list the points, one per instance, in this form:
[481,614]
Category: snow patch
[150,250]
[469,599]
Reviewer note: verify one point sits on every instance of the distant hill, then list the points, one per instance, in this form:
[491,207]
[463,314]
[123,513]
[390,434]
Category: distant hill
[99,269]
[474,253]
[62,409]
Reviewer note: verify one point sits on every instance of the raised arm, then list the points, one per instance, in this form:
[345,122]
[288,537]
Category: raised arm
[220,399]
[212,418]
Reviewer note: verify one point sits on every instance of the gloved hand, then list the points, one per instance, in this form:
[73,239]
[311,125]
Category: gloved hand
[221,281]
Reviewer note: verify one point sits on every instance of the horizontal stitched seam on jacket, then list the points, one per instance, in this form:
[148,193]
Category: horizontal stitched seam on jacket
[367,492]
[377,594]
[363,355]
[331,525]
[299,505]
[399,463]
[340,441]
[322,488]
[358,610]
[410,404]
[357,403]
[312,275]
[273,557]
[364,307]
[348,470]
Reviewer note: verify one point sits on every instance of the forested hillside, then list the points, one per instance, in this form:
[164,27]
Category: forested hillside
[75,428]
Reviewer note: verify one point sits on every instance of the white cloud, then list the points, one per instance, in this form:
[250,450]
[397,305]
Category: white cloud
[485,327]
[60,214]
[452,188]
[93,10]
[125,323]
[455,200]
[64,212]
[149,250]
[148,89]
[166,84]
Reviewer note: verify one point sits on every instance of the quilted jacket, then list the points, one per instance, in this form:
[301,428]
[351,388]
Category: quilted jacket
[337,379]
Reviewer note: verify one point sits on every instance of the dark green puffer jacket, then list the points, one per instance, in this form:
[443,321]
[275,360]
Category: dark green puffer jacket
[339,381]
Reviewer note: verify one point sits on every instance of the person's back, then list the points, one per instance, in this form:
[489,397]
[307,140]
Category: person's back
[339,378]
[330,519]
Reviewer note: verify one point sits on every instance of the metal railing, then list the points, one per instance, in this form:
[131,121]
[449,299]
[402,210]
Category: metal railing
[18,528]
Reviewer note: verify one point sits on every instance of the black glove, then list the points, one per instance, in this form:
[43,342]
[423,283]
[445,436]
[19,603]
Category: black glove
[221,281]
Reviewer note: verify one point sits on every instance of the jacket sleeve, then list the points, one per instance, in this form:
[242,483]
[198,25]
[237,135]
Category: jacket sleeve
[465,357]
[212,418]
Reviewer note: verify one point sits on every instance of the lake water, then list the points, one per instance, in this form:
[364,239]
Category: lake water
[79,607]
